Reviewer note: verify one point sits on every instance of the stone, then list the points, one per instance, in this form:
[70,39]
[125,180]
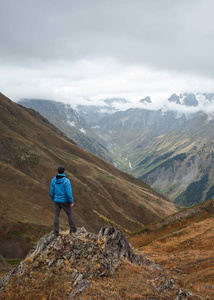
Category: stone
[82,285]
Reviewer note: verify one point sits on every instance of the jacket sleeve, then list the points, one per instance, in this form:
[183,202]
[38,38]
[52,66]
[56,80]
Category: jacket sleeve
[52,190]
[68,191]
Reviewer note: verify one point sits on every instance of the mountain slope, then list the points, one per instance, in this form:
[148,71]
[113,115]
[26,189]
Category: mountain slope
[180,164]
[31,150]
[183,244]
[170,148]
[68,121]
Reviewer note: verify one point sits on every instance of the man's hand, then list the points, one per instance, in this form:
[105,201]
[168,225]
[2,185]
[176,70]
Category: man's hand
[72,204]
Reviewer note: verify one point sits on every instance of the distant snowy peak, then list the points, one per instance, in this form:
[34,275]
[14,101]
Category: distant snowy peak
[146,100]
[187,99]
[174,98]
[191,99]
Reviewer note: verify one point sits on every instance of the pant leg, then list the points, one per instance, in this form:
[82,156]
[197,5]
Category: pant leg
[57,209]
[67,209]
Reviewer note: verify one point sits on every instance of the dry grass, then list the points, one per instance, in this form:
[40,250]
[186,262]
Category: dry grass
[128,282]
[188,254]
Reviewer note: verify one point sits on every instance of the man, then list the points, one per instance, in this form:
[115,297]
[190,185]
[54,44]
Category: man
[61,194]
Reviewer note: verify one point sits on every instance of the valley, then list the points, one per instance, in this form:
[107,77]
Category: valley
[169,148]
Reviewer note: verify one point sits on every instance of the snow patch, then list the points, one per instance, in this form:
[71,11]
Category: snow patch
[71,124]
[82,130]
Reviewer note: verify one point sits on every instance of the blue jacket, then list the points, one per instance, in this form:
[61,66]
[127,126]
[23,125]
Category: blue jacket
[60,189]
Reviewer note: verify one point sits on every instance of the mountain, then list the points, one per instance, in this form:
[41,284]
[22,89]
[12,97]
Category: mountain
[128,132]
[184,103]
[135,126]
[192,99]
[93,113]
[146,100]
[183,245]
[140,136]
[180,164]
[187,99]
[68,121]
[31,150]
[169,150]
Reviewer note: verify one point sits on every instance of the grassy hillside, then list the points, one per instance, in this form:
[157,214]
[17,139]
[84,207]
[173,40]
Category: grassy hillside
[31,150]
[183,244]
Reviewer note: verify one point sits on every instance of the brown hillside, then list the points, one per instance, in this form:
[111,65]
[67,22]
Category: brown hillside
[31,149]
[183,244]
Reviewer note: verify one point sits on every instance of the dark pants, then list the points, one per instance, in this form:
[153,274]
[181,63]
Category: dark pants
[67,209]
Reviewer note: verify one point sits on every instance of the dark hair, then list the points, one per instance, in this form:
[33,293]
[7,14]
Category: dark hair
[61,169]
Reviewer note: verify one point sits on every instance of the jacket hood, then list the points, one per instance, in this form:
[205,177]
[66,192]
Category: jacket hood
[60,178]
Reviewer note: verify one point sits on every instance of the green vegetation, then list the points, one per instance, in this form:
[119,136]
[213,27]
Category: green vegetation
[164,235]
[168,163]
[12,261]
[107,177]
[180,208]
[139,231]
[162,157]
[16,232]
[193,194]
[145,160]
[210,193]
[71,157]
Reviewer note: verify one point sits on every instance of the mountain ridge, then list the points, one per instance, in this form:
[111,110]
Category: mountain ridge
[70,123]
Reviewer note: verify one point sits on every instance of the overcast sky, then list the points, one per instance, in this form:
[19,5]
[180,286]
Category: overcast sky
[68,50]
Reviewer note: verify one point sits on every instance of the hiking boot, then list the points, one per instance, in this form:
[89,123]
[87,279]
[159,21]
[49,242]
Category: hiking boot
[73,230]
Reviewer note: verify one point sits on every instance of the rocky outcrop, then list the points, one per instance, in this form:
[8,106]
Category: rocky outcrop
[88,256]
[70,265]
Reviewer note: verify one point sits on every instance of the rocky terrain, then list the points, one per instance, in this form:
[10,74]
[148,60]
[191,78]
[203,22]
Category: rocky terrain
[88,266]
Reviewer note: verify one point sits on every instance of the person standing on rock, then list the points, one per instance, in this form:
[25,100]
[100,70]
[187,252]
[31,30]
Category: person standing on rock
[61,194]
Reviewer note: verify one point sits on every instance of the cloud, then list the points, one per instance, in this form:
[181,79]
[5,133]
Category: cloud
[73,50]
